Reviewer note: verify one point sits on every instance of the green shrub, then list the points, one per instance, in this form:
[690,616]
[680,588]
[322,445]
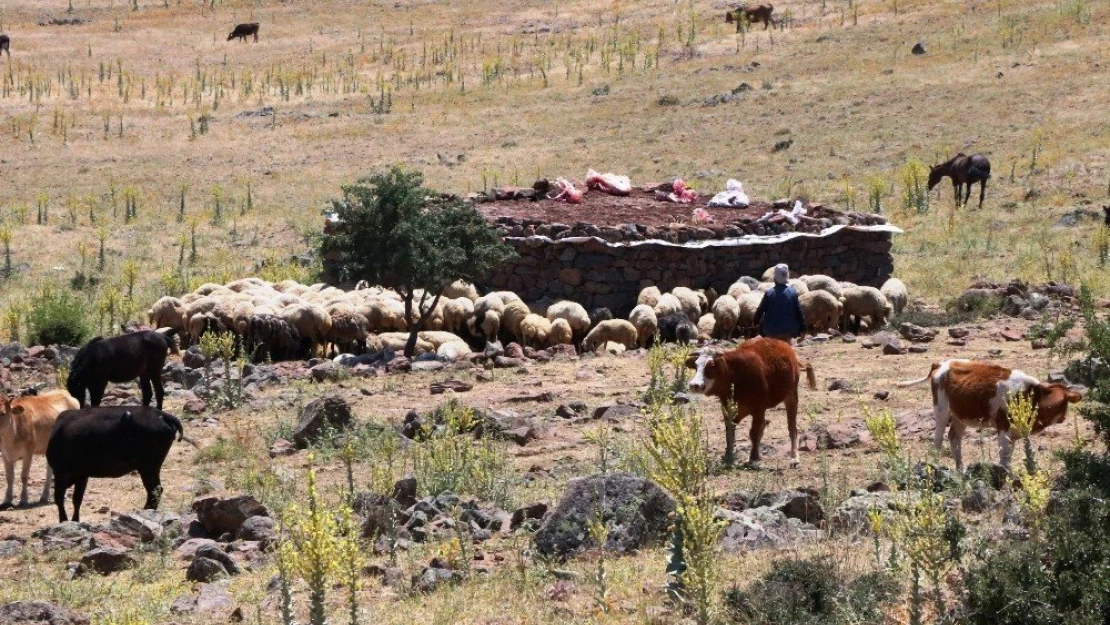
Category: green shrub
[811,591]
[451,459]
[57,318]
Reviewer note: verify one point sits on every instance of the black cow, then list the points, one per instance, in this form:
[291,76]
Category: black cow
[242,31]
[109,442]
[121,359]
[1106,210]
[6,45]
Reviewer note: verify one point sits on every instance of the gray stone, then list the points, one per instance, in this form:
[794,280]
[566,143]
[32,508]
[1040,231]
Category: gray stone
[39,613]
[226,516]
[978,499]
[106,561]
[839,384]
[328,414]
[134,524]
[327,371]
[213,552]
[761,527]
[258,528]
[916,333]
[9,548]
[616,412]
[635,510]
[805,507]
[432,578]
[205,570]
[852,515]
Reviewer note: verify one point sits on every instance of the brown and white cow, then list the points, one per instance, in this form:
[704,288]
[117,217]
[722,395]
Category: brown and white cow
[750,380]
[973,393]
[25,425]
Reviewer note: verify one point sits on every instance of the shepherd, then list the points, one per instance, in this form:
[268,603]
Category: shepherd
[963,170]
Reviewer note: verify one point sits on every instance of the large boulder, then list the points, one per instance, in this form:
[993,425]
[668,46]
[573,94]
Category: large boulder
[226,516]
[761,527]
[634,509]
[330,413]
[39,613]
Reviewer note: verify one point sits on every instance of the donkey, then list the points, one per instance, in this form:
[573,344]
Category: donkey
[242,31]
[963,170]
[6,45]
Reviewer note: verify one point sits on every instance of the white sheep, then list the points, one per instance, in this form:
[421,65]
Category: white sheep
[818,282]
[865,301]
[738,289]
[820,309]
[454,350]
[895,292]
[726,314]
[668,304]
[167,312]
[615,330]
[488,303]
[507,296]
[534,331]
[310,321]
[749,302]
[512,318]
[706,326]
[649,295]
[646,323]
[438,337]
[561,333]
[691,303]
[490,326]
[461,288]
[574,313]
[456,312]
[347,328]
[396,341]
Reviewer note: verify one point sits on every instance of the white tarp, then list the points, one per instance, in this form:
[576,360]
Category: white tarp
[744,241]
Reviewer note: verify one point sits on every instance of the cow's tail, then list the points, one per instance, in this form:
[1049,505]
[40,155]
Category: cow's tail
[175,425]
[811,375]
[908,383]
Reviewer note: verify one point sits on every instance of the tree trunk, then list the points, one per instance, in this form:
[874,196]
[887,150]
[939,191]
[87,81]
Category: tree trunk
[414,329]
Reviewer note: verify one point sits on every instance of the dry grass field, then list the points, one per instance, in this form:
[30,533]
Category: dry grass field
[232,149]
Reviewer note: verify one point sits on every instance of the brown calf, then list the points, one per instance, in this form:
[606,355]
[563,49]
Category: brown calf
[755,14]
[976,393]
[25,424]
[242,31]
[753,378]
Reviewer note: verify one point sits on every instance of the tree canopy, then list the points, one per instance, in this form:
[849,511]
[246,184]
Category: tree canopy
[393,231]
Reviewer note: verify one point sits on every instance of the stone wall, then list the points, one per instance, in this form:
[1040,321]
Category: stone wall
[597,274]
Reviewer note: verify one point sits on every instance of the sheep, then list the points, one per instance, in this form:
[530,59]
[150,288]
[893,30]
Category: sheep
[438,337]
[508,296]
[246,283]
[820,309]
[649,295]
[726,313]
[748,302]
[598,315]
[844,286]
[748,280]
[738,289]
[613,349]
[706,326]
[454,350]
[396,342]
[819,282]
[167,312]
[575,315]
[200,323]
[646,323]
[490,325]
[668,304]
[691,303]
[534,331]
[707,297]
[764,287]
[615,330]
[798,285]
[485,305]
[456,312]
[677,328]
[269,336]
[209,288]
[769,275]
[864,301]
[311,321]
[292,287]
[895,292]
[512,318]
[347,329]
[561,333]
[461,288]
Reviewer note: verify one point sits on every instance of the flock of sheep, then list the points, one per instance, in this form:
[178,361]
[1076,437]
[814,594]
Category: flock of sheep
[289,320]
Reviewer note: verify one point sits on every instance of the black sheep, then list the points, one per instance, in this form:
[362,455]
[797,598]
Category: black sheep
[598,315]
[109,442]
[678,328]
[121,359]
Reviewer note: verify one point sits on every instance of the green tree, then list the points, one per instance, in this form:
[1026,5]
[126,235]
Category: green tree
[391,232]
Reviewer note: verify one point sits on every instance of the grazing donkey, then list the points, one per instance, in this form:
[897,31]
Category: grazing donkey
[242,31]
[963,170]
[121,359]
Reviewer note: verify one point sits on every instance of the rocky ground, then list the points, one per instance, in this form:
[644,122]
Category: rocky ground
[209,550]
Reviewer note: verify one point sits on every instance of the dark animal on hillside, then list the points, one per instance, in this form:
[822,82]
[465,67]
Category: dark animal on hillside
[6,45]
[109,442]
[242,31]
[755,14]
[1106,211]
[271,337]
[598,315]
[750,380]
[121,359]
[963,170]
[677,328]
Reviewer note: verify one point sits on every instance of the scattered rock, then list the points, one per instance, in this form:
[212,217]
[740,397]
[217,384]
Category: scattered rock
[226,516]
[532,512]
[761,527]
[141,524]
[195,406]
[210,599]
[978,499]
[432,578]
[835,436]
[994,352]
[521,435]
[616,412]
[259,529]
[893,348]
[404,492]
[882,395]
[106,561]
[839,384]
[330,413]
[957,342]
[68,535]
[282,447]
[993,475]
[214,553]
[205,570]
[452,384]
[1011,335]
[917,349]
[10,548]
[916,333]
[804,506]
[327,371]
[635,510]
[39,613]
[959,333]
[571,410]
[852,515]
[193,358]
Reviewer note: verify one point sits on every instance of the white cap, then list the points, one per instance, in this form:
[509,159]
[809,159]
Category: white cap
[782,273]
